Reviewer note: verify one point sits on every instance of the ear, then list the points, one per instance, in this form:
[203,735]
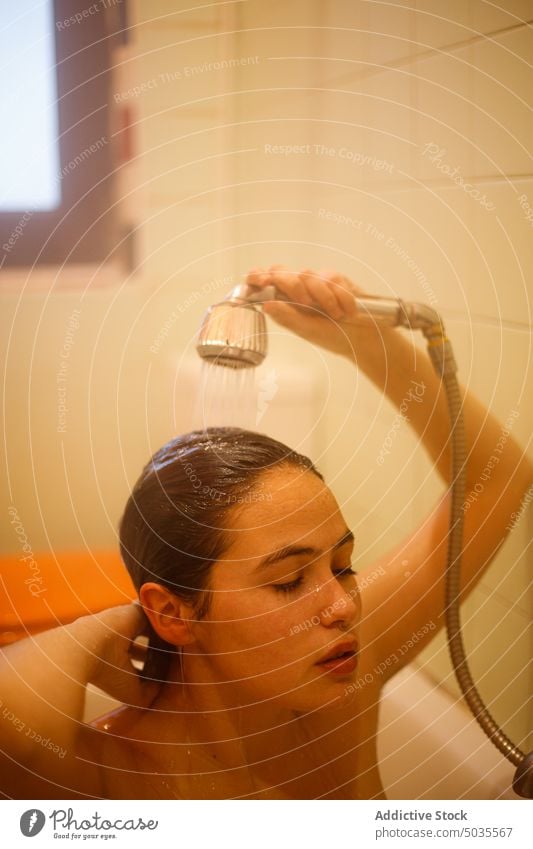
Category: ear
[169,615]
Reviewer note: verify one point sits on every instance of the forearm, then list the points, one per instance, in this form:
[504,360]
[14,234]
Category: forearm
[406,375]
[42,685]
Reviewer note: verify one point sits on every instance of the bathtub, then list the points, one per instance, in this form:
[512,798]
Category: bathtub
[429,746]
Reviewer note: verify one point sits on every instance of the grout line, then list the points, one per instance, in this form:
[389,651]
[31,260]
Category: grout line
[423,54]
[491,321]
[406,185]
[518,607]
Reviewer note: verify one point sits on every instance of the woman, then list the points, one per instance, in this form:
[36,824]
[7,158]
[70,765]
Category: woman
[273,656]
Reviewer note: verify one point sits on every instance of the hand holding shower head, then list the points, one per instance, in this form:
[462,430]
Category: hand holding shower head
[233,333]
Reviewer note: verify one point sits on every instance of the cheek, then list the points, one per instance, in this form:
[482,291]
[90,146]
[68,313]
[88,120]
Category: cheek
[263,631]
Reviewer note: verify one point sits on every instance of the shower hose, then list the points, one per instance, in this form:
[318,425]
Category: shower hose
[440,352]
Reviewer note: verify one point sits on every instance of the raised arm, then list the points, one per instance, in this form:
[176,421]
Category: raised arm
[498,474]
[42,695]
[498,471]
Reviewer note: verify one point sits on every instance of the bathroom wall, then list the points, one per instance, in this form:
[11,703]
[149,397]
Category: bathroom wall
[386,140]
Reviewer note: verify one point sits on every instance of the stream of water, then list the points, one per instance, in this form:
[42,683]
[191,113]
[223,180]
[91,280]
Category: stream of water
[225,397]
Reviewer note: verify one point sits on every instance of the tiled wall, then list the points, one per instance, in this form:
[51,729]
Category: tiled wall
[371,91]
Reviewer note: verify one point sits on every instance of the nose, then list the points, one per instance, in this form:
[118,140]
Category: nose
[339,605]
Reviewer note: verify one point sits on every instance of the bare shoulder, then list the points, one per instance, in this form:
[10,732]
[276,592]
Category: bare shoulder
[127,744]
[55,772]
[111,743]
[105,741]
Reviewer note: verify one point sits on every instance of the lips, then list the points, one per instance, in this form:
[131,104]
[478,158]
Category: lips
[342,651]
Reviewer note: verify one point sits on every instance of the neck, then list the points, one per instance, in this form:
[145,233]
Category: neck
[233,728]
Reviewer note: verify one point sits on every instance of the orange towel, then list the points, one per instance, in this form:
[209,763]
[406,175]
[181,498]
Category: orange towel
[54,588]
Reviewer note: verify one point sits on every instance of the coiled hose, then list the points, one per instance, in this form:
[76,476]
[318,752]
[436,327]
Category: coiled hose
[440,352]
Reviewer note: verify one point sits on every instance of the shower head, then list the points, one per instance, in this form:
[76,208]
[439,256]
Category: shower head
[233,332]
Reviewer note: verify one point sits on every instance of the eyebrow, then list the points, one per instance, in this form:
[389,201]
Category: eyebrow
[295,550]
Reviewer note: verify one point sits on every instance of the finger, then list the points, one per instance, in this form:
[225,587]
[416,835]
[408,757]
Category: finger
[288,315]
[346,293]
[255,276]
[321,290]
[289,283]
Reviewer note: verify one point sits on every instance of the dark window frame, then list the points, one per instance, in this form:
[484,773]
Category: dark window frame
[82,228]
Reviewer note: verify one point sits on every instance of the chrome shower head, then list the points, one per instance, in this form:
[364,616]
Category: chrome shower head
[233,333]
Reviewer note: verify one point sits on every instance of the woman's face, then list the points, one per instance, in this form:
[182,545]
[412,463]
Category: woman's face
[283,597]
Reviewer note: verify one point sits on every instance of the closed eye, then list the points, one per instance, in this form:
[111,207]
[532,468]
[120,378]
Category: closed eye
[286,588]
[344,573]
[292,585]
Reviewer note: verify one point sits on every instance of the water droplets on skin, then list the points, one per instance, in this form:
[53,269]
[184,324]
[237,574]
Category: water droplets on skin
[225,397]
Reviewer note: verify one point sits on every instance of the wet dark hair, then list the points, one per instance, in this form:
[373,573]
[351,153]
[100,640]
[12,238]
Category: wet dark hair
[176,520]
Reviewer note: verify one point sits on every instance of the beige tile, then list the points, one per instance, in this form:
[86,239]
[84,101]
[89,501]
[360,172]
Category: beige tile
[369,123]
[372,239]
[413,245]
[344,151]
[502,255]
[265,223]
[503,120]
[371,34]
[190,71]
[440,246]
[276,149]
[444,109]
[186,237]
[59,483]
[498,649]
[176,164]
[368,36]
[459,21]
[310,45]
[361,129]
[288,38]
[263,237]
[498,637]
[509,576]
[474,108]
[358,38]
[278,13]
[193,15]
[495,363]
